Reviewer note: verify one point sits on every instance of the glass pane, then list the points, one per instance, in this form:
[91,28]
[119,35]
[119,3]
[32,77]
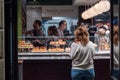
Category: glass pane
[116,65]
[34,46]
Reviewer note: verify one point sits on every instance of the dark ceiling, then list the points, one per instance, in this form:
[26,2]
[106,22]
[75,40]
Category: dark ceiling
[50,2]
[54,2]
[115,1]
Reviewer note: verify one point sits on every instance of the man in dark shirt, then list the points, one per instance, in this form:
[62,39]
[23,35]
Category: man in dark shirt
[36,32]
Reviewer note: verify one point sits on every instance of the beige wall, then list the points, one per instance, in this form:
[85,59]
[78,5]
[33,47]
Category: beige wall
[33,13]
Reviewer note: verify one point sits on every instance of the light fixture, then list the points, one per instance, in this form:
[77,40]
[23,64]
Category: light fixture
[96,7]
[89,13]
[85,15]
[99,8]
[92,12]
[102,6]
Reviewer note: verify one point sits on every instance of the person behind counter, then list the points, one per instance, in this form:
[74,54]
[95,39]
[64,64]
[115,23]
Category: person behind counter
[53,35]
[62,27]
[36,32]
[82,51]
[52,31]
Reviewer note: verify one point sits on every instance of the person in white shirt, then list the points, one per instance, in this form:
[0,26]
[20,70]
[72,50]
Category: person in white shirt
[62,27]
[82,52]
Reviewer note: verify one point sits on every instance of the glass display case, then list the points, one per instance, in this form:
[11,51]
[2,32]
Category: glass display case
[47,44]
[54,45]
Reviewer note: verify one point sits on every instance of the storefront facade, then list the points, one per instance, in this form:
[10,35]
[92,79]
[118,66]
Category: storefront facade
[20,59]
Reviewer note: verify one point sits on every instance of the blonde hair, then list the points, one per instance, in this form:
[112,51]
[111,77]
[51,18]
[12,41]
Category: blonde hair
[81,34]
[115,34]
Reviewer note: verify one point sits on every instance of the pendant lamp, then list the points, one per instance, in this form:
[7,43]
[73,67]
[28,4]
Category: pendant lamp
[102,6]
[99,8]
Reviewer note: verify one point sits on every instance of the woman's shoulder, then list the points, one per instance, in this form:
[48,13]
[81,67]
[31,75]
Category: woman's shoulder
[75,43]
[90,43]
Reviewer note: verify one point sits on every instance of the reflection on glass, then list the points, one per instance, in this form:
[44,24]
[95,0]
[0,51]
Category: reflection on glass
[116,64]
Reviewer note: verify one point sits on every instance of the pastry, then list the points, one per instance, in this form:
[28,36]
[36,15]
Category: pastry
[67,49]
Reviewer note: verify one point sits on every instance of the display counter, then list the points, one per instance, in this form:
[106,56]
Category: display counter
[44,66]
[57,66]
[45,55]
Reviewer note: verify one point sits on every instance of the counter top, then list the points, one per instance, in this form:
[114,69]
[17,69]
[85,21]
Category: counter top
[102,55]
[45,55]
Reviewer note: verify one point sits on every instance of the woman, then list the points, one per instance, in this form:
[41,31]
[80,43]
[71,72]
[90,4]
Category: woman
[82,51]
[53,33]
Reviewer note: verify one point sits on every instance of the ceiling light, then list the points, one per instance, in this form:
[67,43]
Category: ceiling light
[89,13]
[99,8]
[104,5]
